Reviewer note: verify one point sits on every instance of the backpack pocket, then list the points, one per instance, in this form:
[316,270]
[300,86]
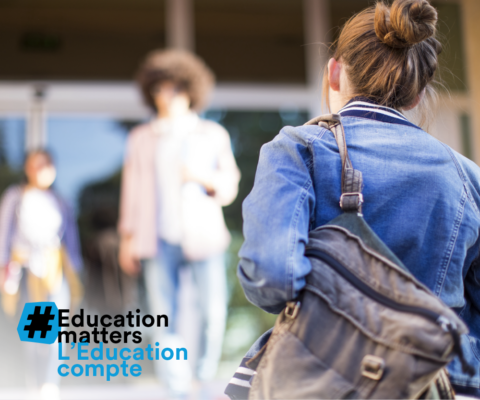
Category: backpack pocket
[290,371]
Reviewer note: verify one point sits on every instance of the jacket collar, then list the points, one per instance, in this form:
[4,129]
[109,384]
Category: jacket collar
[362,107]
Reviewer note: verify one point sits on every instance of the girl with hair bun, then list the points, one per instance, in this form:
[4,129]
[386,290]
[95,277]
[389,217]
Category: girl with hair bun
[421,197]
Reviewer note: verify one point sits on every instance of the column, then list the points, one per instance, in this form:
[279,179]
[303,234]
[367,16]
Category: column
[317,41]
[180,31]
[36,135]
[471,36]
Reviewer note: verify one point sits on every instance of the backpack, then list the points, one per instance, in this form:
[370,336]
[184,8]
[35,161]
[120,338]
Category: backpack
[364,326]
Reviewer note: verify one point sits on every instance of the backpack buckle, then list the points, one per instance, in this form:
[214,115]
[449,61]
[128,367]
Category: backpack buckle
[358,194]
[292,309]
[372,367]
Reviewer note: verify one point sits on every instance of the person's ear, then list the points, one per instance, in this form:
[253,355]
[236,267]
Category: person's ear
[334,68]
[416,102]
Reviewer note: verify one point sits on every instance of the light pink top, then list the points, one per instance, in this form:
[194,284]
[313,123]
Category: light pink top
[147,183]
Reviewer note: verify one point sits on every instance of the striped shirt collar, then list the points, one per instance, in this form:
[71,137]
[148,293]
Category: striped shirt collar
[362,107]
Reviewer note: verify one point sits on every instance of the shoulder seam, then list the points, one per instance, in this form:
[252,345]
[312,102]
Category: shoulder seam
[457,164]
[463,177]
[308,138]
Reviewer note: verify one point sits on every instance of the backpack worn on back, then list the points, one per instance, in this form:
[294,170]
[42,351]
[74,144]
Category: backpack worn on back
[363,327]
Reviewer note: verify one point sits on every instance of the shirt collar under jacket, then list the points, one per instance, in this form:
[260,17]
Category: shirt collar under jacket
[362,107]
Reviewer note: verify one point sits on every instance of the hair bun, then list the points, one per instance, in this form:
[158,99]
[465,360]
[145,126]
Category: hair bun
[406,23]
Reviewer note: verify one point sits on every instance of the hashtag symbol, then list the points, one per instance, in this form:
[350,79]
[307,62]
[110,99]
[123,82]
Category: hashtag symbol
[40,322]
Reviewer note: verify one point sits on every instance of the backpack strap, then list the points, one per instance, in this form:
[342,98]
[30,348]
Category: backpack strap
[352,181]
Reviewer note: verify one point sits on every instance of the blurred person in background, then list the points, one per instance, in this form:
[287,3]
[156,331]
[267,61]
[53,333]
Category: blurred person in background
[39,259]
[179,171]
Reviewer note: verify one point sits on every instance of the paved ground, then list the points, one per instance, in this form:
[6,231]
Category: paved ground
[214,391]
[145,391]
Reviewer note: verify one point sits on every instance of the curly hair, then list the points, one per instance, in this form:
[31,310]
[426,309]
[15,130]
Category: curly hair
[185,69]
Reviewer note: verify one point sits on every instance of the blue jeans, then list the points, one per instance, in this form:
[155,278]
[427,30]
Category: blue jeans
[162,284]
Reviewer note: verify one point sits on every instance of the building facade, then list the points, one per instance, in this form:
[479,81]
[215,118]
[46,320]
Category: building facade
[75,61]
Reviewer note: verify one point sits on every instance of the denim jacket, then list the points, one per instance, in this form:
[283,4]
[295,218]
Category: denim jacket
[421,198]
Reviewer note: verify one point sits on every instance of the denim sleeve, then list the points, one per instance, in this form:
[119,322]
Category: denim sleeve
[276,216]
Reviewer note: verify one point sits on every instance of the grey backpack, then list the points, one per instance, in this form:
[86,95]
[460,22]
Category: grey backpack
[363,327]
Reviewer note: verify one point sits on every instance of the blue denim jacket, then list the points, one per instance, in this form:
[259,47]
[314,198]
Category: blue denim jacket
[421,198]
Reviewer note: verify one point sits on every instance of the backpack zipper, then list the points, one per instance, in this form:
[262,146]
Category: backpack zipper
[443,322]
[372,293]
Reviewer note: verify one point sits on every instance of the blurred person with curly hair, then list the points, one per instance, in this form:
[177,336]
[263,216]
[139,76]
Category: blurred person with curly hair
[179,171]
